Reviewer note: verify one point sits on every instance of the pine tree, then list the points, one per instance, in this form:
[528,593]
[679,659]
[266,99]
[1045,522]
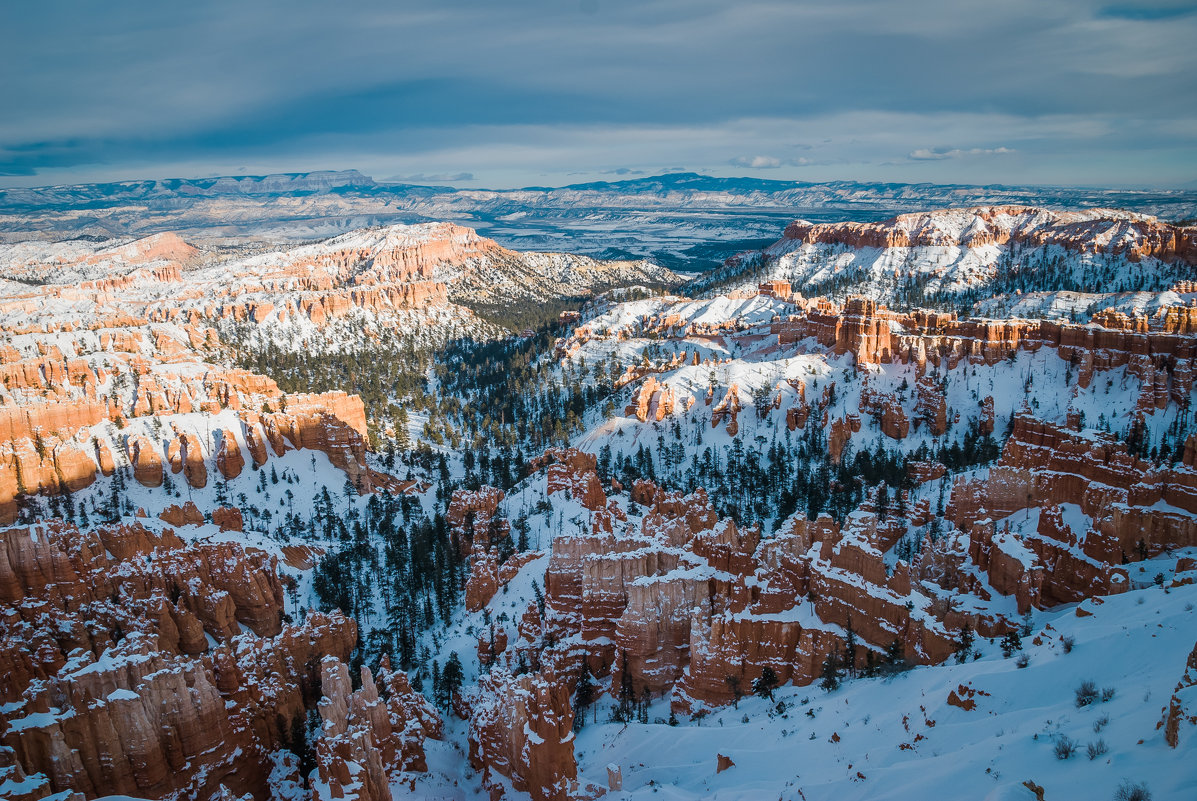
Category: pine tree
[733,684]
[850,649]
[895,657]
[831,672]
[540,601]
[1010,643]
[627,693]
[522,528]
[766,683]
[583,698]
[451,678]
[967,638]
[437,686]
[298,744]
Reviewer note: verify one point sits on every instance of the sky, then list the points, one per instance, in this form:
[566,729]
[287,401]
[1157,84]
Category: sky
[523,92]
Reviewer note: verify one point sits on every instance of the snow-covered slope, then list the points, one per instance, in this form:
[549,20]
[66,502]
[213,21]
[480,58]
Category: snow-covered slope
[434,271]
[908,737]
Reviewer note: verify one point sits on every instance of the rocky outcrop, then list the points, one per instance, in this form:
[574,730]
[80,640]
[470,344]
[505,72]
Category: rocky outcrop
[186,455]
[125,579]
[742,646]
[228,518]
[120,705]
[572,471]
[1161,359]
[689,600]
[186,515]
[133,729]
[484,579]
[1062,510]
[932,408]
[727,409]
[472,517]
[54,436]
[522,728]
[1182,706]
[839,435]
[365,741]
[50,464]
[922,472]
[1045,465]
[1134,236]
[652,400]
[229,460]
[146,462]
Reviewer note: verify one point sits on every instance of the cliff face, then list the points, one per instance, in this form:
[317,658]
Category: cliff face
[127,672]
[126,669]
[993,254]
[1158,351]
[1095,231]
[104,336]
[60,433]
[406,272]
[1127,510]
[677,600]
[139,661]
[685,599]
[522,727]
[1181,711]
[130,579]
[366,741]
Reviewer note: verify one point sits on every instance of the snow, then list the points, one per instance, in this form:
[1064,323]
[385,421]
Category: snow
[532,737]
[39,720]
[10,788]
[1135,642]
[965,249]
[850,746]
[1137,648]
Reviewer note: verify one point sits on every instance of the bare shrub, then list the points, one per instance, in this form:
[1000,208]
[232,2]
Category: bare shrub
[1065,747]
[1132,791]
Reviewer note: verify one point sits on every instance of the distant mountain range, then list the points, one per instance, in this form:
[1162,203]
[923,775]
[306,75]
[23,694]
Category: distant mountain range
[684,220]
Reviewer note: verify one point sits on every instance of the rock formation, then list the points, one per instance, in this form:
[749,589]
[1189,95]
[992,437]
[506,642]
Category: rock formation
[365,741]
[1182,706]
[1082,231]
[522,728]
[126,669]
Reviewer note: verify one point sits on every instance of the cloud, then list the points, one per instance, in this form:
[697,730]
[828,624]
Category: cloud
[756,162]
[427,178]
[148,88]
[623,171]
[941,153]
[1148,12]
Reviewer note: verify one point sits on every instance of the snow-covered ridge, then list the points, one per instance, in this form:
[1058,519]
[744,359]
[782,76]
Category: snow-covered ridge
[1090,230]
[974,254]
[387,270]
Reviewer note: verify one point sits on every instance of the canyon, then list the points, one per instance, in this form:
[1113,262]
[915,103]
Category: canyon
[764,510]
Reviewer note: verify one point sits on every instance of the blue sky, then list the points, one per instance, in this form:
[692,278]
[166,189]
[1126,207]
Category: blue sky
[501,94]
